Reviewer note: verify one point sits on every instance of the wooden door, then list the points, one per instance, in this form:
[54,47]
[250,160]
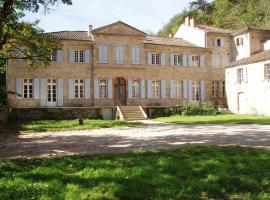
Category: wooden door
[120,92]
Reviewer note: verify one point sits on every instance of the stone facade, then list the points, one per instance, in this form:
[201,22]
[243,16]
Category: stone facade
[119,76]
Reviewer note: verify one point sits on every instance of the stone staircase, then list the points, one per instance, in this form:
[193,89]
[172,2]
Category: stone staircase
[131,113]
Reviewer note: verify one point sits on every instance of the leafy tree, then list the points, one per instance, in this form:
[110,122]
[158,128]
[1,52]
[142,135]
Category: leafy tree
[23,40]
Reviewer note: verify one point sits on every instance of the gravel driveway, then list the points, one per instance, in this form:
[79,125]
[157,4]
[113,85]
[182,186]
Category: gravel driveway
[152,135]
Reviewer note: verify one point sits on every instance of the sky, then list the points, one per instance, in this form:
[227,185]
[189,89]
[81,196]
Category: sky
[146,15]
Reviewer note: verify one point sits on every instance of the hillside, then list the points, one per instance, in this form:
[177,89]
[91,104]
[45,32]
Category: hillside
[232,14]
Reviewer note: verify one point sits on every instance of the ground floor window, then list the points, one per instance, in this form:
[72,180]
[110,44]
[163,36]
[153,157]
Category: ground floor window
[51,90]
[135,89]
[267,72]
[156,89]
[178,89]
[27,88]
[240,75]
[215,89]
[195,91]
[79,89]
[223,89]
[103,89]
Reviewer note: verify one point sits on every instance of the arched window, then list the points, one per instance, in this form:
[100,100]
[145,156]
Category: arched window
[103,89]
[135,89]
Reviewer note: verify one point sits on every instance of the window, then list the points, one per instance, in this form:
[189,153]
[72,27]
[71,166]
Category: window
[267,72]
[103,55]
[27,88]
[135,89]
[119,54]
[136,52]
[239,41]
[240,75]
[156,89]
[79,89]
[178,88]
[215,89]
[54,57]
[195,91]
[195,61]
[223,89]
[51,90]
[156,59]
[178,60]
[103,89]
[219,43]
[78,56]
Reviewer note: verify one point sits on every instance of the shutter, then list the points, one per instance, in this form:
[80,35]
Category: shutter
[36,88]
[60,94]
[189,60]
[172,95]
[19,88]
[117,54]
[87,56]
[163,59]
[217,61]
[71,89]
[185,60]
[105,54]
[129,89]
[215,42]
[59,56]
[87,89]
[149,89]
[163,89]
[149,58]
[96,89]
[190,90]
[142,89]
[100,54]
[70,55]
[222,42]
[138,55]
[202,59]
[214,60]
[122,54]
[133,55]
[43,92]
[202,91]
[110,89]
[226,60]
[172,59]
[185,89]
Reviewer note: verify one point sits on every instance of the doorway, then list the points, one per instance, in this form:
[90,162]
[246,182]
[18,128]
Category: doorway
[120,92]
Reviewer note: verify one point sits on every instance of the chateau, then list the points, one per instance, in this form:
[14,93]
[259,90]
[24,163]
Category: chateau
[119,65]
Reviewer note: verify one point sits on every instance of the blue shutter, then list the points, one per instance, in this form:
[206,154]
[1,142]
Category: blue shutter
[202,91]
[185,89]
[43,92]
[71,89]
[19,88]
[87,88]
[149,89]
[172,95]
[70,55]
[163,59]
[60,94]
[129,89]
[149,58]
[96,89]
[190,90]
[202,60]
[59,56]
[110,89]
[87,56]
[163,89]
[36,88]
[142,86]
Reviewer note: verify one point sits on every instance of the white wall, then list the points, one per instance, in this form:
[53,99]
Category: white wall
[256,91]
[266,45]
[192,34]
[243,51]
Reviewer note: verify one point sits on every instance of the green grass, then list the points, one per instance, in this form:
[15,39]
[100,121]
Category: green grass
[219,119]
[191,172]
[61,125]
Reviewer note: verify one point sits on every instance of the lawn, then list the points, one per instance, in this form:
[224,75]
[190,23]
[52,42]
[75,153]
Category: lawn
[61,125]
[191,172]
[219,119]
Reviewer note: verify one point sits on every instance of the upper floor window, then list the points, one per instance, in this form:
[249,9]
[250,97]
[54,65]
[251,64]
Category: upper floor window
[103,89]
[79,89]
[215,88]
[136,55]
[240,75]
[178,60]
[27,88]
[103,54]
[195,91]
[119,54]
[218,42]
[156,58]
[135,89]
[239,41]
[54,57]
[178,89]
[156,89]
[195,61]
[78,56]
[267,72]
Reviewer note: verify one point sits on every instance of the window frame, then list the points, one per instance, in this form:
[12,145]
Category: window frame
[79,56]
[215,89]
[135,89]
[79,86]
[156,58]
[28,88]
[103,89]
[178,59]
[156,89]
[178,89]
[196,91]
[240,75]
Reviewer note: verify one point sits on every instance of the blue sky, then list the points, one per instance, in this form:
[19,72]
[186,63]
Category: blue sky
[143,14]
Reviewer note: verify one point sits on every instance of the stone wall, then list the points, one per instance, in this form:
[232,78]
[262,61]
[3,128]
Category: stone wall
[3,115]
[61,113]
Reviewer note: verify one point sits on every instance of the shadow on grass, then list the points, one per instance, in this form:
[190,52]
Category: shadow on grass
[191,172]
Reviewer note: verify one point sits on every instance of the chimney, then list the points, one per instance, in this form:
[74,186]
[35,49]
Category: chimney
[192,22]
[187,21]
[90,28]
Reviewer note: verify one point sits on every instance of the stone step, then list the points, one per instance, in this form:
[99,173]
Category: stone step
[132,113]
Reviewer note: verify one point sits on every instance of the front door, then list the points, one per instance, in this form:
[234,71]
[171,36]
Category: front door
[51,91]
[120,92]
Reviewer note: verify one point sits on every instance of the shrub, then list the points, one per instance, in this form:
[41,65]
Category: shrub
[196,109]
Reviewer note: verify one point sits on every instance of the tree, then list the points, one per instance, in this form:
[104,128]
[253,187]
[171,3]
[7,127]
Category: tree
[23,40]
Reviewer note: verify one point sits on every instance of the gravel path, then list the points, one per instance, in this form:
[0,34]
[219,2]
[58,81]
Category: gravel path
[152,135]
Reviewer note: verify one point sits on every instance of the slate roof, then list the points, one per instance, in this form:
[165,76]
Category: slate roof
[255,58]
[169,41]
[72,35]
[210,29]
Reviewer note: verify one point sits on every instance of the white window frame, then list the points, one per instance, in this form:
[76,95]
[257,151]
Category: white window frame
[103,89]
[28,88]
[215,89]
[53,57]
[195,60]
[223,89]
[267,72]
[156,58]
[79,88]
[79,56]
[135,88]
[156,89]
[196,91]
[178,59]
[178,89]
[240,75]
[52,90]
